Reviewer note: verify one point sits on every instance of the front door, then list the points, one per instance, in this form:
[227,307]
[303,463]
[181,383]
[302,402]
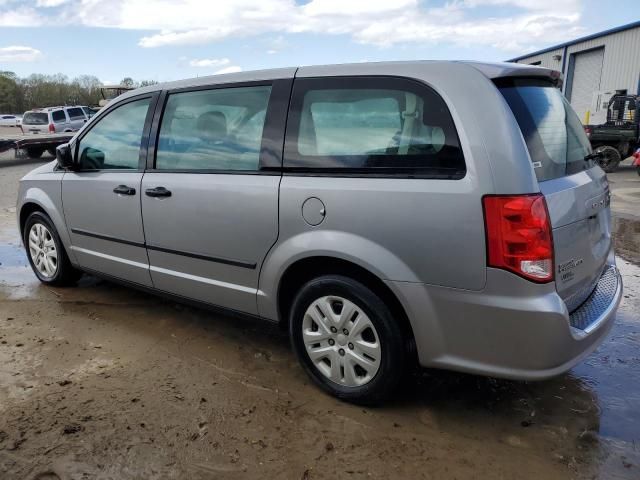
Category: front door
[210,202]
[102,196]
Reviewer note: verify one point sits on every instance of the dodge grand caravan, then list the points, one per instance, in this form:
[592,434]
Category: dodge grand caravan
[444,212]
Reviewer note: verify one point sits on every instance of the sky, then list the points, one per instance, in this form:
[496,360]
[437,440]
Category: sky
[172,39]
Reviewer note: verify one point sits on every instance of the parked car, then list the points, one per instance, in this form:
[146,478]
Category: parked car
[54,120]
[447,213]
[9,121]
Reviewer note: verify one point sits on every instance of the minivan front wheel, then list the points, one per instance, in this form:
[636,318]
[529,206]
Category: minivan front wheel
[46,253]
[347,339]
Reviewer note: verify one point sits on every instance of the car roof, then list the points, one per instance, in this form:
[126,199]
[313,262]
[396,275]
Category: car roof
[491,70]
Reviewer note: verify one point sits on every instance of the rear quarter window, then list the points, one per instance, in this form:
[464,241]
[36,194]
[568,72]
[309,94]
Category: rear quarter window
[551,129]
[58,116]
[371,126]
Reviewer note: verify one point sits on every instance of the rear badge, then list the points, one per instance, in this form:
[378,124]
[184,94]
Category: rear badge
[565,270]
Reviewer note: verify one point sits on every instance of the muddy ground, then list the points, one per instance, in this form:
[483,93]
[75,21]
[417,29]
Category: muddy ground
[104,382]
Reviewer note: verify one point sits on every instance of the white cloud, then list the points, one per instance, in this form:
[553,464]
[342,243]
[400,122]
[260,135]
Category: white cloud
[16,53]
[50,3]
[526,24]
[208,62]
[229,69]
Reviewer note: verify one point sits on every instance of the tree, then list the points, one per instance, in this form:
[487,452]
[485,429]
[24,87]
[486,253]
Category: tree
[128,82]
[146,83]
[10,95]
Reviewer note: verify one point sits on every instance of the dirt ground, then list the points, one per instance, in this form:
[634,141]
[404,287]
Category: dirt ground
[104,382]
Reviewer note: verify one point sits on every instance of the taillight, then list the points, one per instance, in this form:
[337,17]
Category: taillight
[518,233]
[52,128]
[587,130]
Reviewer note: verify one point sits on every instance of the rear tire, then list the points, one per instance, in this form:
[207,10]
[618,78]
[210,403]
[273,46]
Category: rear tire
[45,252]
[35,152]
[610,158]
[347,339]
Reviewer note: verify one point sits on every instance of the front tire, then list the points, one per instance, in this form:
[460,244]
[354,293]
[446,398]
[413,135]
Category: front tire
[46,254]
[347,339]
[610,158]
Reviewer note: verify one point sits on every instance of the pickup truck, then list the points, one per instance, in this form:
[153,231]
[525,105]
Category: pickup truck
[619,137]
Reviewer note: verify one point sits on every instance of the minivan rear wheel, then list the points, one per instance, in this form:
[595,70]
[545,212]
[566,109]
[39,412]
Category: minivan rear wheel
[347,339]
[46,253]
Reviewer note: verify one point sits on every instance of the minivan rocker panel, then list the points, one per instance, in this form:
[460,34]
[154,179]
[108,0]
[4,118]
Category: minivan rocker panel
[374,209]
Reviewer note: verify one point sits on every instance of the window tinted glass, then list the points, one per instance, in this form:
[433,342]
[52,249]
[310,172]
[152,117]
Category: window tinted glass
[58,116]
[372,125]
[75,113]
[114,142]
[554,135]
[35,118]
[217,129]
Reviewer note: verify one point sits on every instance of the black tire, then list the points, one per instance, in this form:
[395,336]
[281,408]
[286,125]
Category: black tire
[610,158]
[393,345]
[35,152]
[65,273]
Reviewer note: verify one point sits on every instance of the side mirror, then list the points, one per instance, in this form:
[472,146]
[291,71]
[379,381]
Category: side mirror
[64,156]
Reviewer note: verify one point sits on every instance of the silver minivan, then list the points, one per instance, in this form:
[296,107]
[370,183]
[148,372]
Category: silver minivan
[446,214]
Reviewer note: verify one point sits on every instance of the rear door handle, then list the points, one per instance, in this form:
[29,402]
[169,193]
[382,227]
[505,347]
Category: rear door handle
[124,190]
[157,192]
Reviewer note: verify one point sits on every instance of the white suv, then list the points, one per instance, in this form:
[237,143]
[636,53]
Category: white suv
[54,119]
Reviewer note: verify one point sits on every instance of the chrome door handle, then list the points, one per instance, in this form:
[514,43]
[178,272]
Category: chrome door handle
[124,190]
[157,192]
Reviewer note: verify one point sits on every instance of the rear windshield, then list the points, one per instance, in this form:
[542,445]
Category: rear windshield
[554,135]
[34,118]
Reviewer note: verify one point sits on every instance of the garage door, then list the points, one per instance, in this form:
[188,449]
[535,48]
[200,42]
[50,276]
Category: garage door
[587,70]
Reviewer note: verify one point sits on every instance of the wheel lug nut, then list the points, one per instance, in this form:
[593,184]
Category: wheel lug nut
[350,346]
[332,342]
[341,352]
[345,331]
[334,329]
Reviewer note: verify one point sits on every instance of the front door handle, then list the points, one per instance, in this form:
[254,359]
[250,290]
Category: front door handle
[124,190]
[157,192]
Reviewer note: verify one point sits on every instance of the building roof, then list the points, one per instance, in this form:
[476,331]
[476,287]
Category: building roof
[621,28]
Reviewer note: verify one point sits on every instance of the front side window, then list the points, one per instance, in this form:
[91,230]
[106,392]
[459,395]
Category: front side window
[372,125]
[114,142]
[58,116]
[218,129]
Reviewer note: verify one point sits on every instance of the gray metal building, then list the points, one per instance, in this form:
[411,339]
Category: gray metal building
[594,67]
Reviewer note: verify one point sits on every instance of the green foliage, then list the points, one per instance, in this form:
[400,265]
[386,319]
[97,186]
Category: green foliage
[18,95]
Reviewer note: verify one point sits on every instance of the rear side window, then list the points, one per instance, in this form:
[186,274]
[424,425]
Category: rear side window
[369,125]
[58,116]
[219,129]
[35,118]
[114,142]
[75,113]
[552,131]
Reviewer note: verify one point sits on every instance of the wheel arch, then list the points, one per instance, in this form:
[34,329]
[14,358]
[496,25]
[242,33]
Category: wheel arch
[36,199]
[307,268]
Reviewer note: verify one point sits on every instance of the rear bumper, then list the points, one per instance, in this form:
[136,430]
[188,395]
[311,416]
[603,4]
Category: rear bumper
[518,331]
